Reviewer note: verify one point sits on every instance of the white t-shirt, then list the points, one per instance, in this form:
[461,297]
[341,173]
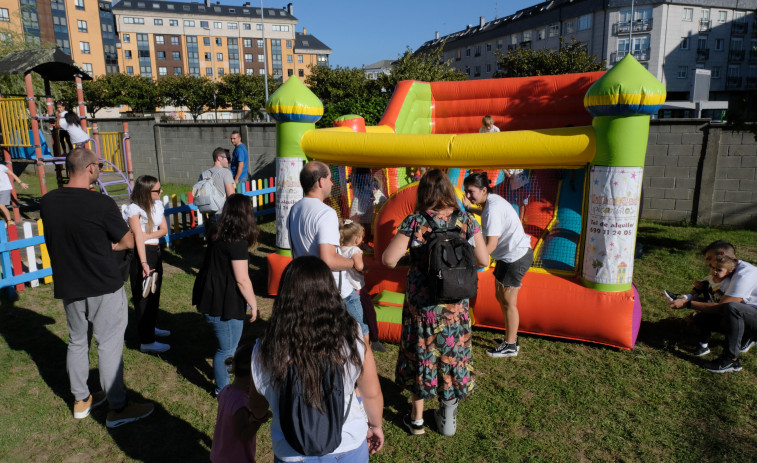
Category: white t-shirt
[75,132]
[483,129]
[355,427]
[157,217]
[500,219]
[5,181]
[354,277]
[744,283]
[311,223]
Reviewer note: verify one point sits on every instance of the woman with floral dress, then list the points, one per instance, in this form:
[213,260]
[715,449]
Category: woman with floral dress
[435,345]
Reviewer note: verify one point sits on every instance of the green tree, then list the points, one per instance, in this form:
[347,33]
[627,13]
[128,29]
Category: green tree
[139,93]
[339,84]
[101,92]
[426,66]
[570,58]
[241,90]
[194,93]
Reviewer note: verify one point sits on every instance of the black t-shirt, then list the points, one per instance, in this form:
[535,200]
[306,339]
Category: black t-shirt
[215,290]
[80,226]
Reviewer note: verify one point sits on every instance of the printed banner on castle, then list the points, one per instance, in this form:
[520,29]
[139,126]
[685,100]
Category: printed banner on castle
[612,217]
[288,192]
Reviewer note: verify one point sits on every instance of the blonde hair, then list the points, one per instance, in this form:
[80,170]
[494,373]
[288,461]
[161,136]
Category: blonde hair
[724,261]
[487,120]
[349,230]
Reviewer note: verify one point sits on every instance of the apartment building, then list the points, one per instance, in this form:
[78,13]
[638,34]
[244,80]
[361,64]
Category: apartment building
[164,38]
[671,38]
[82,28]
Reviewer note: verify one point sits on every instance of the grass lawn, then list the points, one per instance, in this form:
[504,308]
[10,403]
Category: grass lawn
[557,401]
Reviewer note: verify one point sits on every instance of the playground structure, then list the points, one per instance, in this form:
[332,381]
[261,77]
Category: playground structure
[582,138]
[20,124]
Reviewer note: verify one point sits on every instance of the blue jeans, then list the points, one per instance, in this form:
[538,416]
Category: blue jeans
[359,455]
[355,308]
[228,333]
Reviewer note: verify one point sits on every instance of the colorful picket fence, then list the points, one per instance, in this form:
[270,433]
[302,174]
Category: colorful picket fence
[19,257]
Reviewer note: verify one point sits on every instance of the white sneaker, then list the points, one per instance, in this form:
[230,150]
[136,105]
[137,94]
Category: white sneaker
[162,333]
[154,347]
[146,283]
[154,282]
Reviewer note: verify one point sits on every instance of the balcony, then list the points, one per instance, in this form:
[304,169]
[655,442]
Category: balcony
[753,56]
[526,44]
[624,27]
[751,82]
[640,55]
[736,55]
[705,25]
[738,28]
[703,54]
[732,82]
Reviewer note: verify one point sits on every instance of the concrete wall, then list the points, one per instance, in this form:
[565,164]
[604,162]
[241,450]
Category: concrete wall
[695,171]
[701,173]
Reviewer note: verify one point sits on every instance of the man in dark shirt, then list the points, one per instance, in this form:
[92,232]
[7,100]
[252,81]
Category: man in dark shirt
[83,229]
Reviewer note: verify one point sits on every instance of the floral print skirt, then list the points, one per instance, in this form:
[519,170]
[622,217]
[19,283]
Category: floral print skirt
[435,350]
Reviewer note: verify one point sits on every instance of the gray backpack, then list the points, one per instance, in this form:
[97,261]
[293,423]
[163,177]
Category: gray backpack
[207,198]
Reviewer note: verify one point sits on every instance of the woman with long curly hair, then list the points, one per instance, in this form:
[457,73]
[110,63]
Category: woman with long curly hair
[223,290]
[312,333]
[435,345]
[147,222]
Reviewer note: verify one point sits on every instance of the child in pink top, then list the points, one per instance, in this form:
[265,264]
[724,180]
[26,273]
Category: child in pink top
[236,426]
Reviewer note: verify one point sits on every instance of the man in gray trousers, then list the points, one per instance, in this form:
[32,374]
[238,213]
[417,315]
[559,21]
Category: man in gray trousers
[83,231]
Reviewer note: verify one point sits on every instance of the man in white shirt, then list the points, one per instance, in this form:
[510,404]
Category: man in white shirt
[314,231]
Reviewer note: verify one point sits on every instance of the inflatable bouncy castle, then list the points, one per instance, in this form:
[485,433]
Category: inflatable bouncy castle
[578,142]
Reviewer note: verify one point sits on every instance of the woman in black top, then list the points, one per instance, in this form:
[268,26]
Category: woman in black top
[223,289]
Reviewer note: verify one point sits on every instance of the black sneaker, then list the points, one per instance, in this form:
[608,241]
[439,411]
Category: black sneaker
[414,429]
[746,345]
[672,296]
[701,350]
[376,346]
[504,350]
[723,365]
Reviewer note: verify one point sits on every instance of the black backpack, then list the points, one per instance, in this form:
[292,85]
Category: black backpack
[307,430]
[451,266]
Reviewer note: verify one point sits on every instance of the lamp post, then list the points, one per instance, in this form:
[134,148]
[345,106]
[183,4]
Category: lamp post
[213,70]
[265,59]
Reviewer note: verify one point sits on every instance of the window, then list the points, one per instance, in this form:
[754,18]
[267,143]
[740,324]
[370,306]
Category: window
[247,43]
[289,44]
[554,30]
[299,58]
[467,52]
[569,26]
[539,36]
[79,4]
[87,67]
[189,23]
[80,25]
[84,47]
[584,22]
[232,25]
[145,71]
[260,58]
[688,14]
[246,26]
[719,44]
[526,38]
[127,38]
[219,41]
[157,22]
[127,54]
[290,72]
[258,27]
[280,27]
[220,72]
[217,25]
[177,71]
[173,22]
[716,72]
[722,16]
[4,14]
[705,15]
[260,43]
[204,25]
[702,43]
[162,71]
[219,56]
[249,71]
[683,72]
[261,71]
[207,56]
[130,70]
[161,55]
[738,17]
[159,40]
[128,20]
[734,71]
[176,56]
[684,43]
[206,41]
[174,40]
[248,58]
[208,71]
[301,72]
[289,58]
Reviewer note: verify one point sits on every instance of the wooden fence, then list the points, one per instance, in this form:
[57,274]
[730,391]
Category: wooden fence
[26,260]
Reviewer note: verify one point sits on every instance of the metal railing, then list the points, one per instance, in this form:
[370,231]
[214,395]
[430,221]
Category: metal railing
[640,55]
[624,27]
